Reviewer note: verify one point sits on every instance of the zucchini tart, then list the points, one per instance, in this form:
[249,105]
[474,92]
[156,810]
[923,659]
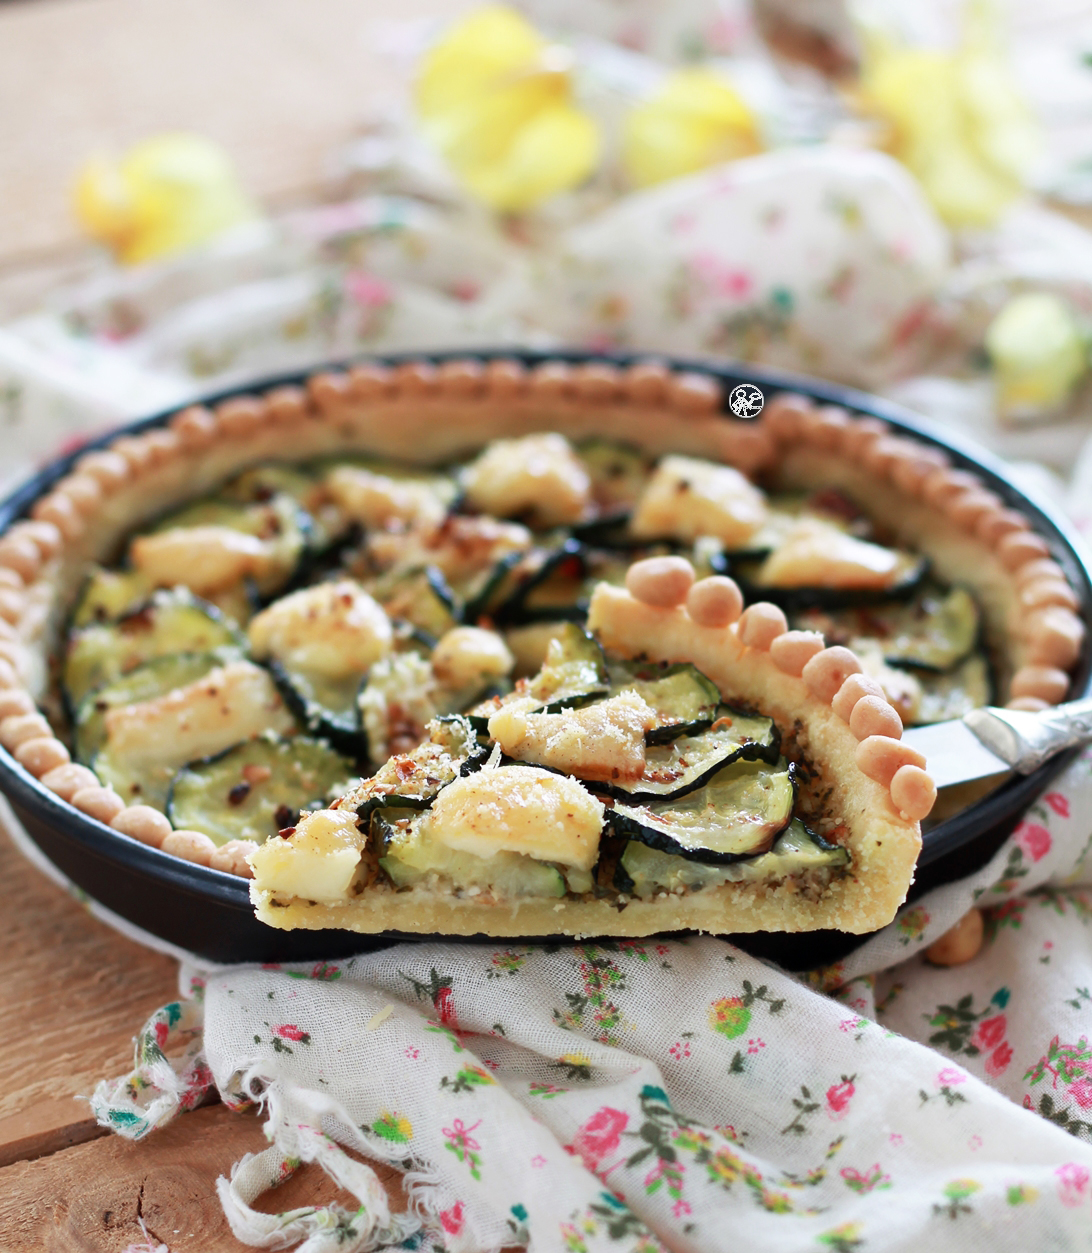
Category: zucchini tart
[364,640]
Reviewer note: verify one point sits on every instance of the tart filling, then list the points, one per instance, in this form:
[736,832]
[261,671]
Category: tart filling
[947,597]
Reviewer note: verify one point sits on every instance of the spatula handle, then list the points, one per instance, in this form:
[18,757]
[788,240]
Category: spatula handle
[1025,740]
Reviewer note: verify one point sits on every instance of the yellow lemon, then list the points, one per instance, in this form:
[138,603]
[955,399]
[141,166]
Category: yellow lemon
[496,100]
[695,120]
[1038,354]
[167,194]
[956,120]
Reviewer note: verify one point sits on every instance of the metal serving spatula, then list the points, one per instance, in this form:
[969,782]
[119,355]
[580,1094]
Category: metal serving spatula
[994,741]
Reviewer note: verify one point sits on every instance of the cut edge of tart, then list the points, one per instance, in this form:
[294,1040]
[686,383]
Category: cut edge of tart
[866,793]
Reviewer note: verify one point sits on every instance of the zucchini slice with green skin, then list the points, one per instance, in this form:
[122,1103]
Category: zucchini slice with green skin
[688,763]
[954,694]
[261,484]
[257,788]
[797,850]
[420,597]
[685,701]
[280,521]
[108,595]
[574,672]
[408,860]
[170,622]
[738,813]
[912,572]
[933,631]
[149,742]
[549,584]
[326,707]
[414,780]
[145,682]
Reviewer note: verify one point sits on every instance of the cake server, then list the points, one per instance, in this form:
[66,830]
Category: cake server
[992,741]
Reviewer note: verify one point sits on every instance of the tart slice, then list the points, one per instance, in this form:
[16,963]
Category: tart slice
[684,764]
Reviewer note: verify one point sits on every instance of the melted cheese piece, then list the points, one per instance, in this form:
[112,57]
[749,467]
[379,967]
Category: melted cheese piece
[539,475]
[468,656]
[206,559]
[332,629]
[459,547]
[518,809]
[687,497]
[231,703]
[603,741]
[818,554]
[317,862]
[377,500]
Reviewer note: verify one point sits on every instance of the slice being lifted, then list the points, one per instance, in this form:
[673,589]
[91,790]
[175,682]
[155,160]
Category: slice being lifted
[689,767]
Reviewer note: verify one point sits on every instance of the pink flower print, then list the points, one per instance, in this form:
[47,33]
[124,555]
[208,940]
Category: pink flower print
[452,1219]
[974,1143]
[680,1049]
[445,1006]
[838,1097]
[599,1137]
[368,290]
[998,1060]
[662,950]
[1081,1091]
[681,1208]
[538,1161]
[289,1031]
[1072,1183]
[1032,840]
[1058,802]
[990,1033]
[753,1046]
[412,1053]
[950,1076]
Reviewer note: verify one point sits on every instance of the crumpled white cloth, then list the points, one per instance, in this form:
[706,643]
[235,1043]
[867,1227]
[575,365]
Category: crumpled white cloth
[675,1094]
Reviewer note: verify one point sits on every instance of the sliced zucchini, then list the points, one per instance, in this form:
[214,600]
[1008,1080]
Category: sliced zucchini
[933,631]
[147,743]
[528,644]
[110,594]
[689,762]
[170,622]
[684,699]
[421,597]
[547,583]
[796,851]
[738,813]
[145,682]
[280,523]
[257,788]
[413,780]
[326,706]
[618,473]
[574,672]
[410,858]
[944,696]
[262,483]
[911,569]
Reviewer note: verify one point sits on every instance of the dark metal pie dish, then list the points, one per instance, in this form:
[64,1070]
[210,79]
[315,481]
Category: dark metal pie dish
[208,912]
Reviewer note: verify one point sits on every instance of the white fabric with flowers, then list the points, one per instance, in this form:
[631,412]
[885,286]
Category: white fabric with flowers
[671,1094]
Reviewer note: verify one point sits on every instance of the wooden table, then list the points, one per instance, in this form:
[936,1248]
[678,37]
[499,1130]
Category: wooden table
[281,84]
[73,994]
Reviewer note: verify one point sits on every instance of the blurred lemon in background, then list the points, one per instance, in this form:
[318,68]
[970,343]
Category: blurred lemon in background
[167,194]
[695,120]
[1038,353]
[956,119]
[495,98]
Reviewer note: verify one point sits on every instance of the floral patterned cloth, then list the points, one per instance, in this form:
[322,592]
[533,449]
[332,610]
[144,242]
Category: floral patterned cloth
[673,1094]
